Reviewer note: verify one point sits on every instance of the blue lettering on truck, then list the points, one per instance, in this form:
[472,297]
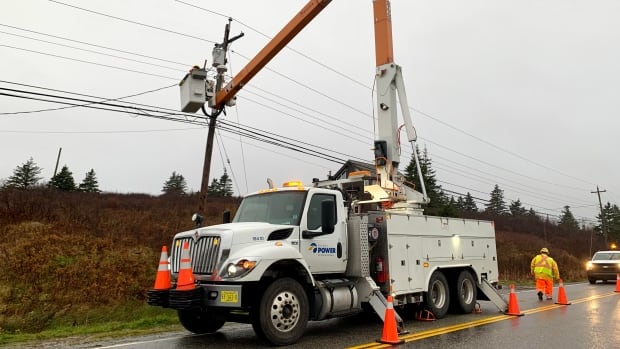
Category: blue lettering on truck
[321,250]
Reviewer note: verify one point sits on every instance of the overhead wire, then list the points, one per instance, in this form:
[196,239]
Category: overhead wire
[250,132]
[133,22]
[288,47]
[241,143]
[94,45]
[89,62]
[93,51]
[75,106]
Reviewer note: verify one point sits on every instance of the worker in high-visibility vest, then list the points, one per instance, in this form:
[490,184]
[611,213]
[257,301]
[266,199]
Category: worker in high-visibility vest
[544,269]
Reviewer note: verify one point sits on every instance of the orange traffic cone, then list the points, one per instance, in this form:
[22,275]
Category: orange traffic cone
[162,279]
[617,283]
[158,295]
[390,333]
[186,275]
[513,304]
[562,300]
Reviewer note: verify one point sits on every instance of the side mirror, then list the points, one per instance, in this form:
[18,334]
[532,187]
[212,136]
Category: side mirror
[226,217]
[197,220]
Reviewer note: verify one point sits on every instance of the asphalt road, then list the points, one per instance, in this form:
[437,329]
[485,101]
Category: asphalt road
[590,321]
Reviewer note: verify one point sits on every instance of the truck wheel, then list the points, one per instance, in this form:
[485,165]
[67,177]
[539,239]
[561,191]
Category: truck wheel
[201,322]
[282,313]
[438,295]
[592,281]
[466,292]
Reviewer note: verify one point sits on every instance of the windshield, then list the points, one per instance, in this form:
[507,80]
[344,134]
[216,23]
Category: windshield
[282,207]
[606,256]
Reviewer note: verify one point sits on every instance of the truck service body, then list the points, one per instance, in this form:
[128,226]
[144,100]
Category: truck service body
[335,247]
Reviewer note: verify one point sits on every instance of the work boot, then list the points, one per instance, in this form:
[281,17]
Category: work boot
[540,296]
[549,297]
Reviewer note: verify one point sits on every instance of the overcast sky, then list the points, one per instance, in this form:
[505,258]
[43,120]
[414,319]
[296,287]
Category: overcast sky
[523,94]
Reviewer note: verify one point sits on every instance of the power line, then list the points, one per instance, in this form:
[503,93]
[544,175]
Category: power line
[133,22]
[94,45]
[245,131]
[93,51]
[335,71]
[61,108]
[88,62]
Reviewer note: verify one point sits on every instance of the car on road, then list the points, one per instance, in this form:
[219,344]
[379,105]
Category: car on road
[604,265]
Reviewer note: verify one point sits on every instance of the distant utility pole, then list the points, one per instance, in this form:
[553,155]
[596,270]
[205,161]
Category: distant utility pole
[600,204]
[57,160]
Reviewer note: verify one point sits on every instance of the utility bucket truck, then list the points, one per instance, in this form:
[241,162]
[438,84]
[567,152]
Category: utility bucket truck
[331,248]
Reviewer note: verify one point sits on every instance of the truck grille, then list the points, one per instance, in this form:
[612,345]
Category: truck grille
[203,254]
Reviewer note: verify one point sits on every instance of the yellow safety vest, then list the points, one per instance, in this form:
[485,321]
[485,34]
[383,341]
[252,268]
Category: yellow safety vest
[543,266]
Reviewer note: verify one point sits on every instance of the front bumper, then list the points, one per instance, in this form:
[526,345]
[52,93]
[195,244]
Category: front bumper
[205,295]
[600,275]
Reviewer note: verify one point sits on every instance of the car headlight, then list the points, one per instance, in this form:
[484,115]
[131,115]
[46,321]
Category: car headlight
[589,266]
[240,267]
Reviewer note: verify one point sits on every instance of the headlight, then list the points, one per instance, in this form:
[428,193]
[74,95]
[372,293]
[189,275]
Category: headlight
[589,266]
[240,267]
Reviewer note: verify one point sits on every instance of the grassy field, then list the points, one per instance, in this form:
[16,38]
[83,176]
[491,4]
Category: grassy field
[129,319]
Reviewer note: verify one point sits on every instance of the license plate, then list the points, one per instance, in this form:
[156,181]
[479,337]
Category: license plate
[229,297]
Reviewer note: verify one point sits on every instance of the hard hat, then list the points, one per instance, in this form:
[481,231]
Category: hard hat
[544,250]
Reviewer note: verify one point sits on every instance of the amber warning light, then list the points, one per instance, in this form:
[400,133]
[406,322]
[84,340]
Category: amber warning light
[291,184]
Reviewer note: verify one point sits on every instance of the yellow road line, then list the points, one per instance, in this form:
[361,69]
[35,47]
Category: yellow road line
[465,325]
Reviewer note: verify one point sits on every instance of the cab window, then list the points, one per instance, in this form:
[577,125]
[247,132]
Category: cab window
[314,210]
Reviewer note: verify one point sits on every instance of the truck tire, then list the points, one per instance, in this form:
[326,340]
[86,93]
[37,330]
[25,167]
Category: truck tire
[438,295]
[201,321]
[465,293]
[282,313]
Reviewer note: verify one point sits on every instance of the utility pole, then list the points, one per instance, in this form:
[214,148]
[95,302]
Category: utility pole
[57,160]
[600,204]
[219,62]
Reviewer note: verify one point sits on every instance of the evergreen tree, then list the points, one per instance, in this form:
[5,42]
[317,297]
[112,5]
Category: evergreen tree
[449,209]
[25,176]
[90,183]
[226,185]
[496,204]
[434,191]
[221,187]
[611,214]
[63,180]
[470,204]
[214,189]
[516,209]
[613,228]
[175,185]
[460,203]
[567,221]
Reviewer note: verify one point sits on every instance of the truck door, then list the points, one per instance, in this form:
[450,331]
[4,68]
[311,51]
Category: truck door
[324,252]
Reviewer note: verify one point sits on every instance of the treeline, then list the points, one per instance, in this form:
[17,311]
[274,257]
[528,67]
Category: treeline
[28,175]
